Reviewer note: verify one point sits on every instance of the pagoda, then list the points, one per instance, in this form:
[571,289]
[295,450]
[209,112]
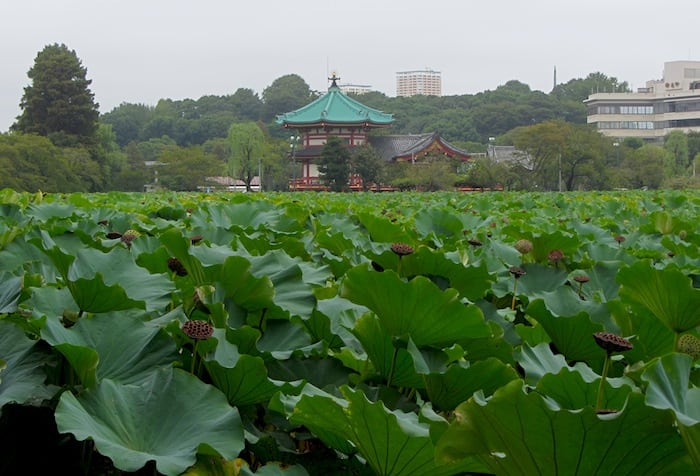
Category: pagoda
[333,114]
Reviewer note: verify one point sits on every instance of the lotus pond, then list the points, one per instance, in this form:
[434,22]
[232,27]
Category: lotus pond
[390,334]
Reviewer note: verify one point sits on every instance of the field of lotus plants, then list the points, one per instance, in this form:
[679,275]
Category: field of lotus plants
[350,334]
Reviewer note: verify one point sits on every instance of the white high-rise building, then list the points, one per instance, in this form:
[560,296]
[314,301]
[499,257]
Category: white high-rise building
[424,82]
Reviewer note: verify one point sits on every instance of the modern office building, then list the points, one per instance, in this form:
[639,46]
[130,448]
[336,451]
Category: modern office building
[664,105]
[424,82]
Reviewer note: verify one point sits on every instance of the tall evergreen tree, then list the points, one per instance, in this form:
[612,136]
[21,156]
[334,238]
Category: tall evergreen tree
[58,103]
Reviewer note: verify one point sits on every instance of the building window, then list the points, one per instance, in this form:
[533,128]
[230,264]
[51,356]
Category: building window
[626,125]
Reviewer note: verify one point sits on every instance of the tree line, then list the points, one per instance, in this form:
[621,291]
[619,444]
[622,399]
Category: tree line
[61,143]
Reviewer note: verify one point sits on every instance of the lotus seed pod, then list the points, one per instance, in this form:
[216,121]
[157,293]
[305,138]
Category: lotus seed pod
[198,330]
[129,236]
[176,267]
[555,256]
[611,342]
[517,271]
[402,249]
[523,246]
[689,344]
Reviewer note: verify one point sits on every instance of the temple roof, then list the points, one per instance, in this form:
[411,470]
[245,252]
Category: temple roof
[334,107]
[392,147]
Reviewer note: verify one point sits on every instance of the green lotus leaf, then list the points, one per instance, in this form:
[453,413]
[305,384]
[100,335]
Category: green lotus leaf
[667,293]
[241,377]
[215,466]
[179,246]
[102,282]
[247,382]
[572,335]
[602,286]
[10,289]
[459,382]
[382,230]
[539,360]
[323,414]
[557,240]
[235,281]
[273,469]
[293,291]
[538,279]
[167,419]
[318,325]
[392,363]
[281,338]
[95,353]
[393,442]
[564,301]
[669,388]
[573,389]
[23,376]
[49,301]
[321,372]
[519,433]
[438,222]
[471,281]
[252,215]
[417,308]
[651,337]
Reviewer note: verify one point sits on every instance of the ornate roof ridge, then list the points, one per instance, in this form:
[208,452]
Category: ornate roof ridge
[335,107]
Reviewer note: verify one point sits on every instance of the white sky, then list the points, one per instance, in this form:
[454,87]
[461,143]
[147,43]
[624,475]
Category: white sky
[145,50]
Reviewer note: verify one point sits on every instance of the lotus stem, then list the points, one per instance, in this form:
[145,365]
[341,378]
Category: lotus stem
[262,318]
[194,357]
[606,367]
[676,337]
[515,288]
[391,369]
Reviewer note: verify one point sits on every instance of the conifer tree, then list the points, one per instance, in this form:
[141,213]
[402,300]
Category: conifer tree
[58,103]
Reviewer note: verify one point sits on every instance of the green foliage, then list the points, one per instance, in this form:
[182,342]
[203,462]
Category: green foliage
[335,165]
[286,93]
[187,169]
[133,424]
[329,352]
[58,103]
[31,162]
[368,165]
[246,141]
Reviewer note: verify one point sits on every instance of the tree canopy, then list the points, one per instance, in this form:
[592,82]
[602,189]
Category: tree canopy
[335,165]
[58,103]
[247,143]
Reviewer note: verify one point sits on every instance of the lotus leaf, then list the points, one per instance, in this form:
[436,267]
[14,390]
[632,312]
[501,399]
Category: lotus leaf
[393,442]
[667,293]
[167,419]
[417,308]
[95,353]
[22,377]
[10,288]
[520,433]
[669,388]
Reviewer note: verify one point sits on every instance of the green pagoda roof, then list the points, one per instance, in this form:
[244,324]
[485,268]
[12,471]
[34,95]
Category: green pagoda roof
[334,107]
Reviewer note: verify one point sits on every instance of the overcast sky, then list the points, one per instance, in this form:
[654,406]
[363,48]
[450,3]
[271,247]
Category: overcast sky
[145,50]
